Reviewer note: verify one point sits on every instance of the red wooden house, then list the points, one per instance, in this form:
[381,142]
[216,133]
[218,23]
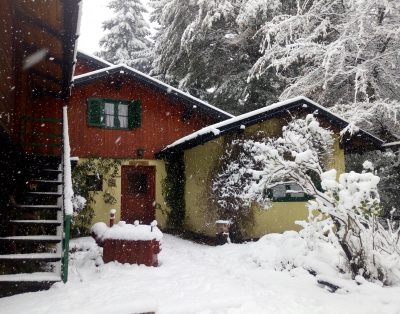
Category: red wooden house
[118,112]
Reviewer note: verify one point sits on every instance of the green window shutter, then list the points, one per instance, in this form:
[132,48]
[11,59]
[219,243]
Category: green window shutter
[135,114]
[95,112]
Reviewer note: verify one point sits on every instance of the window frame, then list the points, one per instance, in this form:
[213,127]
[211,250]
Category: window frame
[134,113]
[94,182]
[288,197]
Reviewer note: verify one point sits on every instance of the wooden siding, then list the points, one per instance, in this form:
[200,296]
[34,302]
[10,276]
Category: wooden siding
[41,132]
[83,67]
[7,77]
[28,28]
[161,121]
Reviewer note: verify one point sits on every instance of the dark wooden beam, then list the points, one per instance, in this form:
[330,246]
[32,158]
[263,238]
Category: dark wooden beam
[41,93]
[45,76]
[186,115]
[31,48]
[71,14]
[38,23]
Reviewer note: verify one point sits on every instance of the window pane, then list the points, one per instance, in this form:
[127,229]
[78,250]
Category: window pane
[94,182]
[279,191]
[287,191]
[295,191]
[123,116]
[109,114]
[137,183]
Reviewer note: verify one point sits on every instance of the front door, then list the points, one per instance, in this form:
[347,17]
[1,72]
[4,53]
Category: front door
[138,194]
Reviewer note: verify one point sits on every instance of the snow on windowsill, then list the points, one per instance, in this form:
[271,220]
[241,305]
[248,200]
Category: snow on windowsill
[224,222]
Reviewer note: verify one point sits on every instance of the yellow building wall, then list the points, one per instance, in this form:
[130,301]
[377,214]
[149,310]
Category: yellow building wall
[102,209]
[200,163]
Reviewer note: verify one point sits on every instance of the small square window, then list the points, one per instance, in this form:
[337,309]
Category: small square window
[94,182]
[111,182]
[140,153]
[289,192]
[137,183]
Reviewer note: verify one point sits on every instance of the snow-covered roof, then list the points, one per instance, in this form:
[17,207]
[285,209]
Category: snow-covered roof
[192,102]
[92,58]
[240,122]
[392,145]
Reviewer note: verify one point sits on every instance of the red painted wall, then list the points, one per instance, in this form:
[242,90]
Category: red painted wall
[161,120]
[83,66]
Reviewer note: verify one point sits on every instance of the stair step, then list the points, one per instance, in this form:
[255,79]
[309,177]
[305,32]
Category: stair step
[48,181]
[39,206]
[33,238]
[52,170]
[48,257]
[37,222]
[46,193]
[39,277]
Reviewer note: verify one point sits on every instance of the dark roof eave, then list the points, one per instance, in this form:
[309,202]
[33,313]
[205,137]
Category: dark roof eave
[71,14]
[236,126]
[87,58]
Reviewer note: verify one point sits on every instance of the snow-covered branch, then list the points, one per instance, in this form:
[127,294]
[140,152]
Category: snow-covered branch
[351,203]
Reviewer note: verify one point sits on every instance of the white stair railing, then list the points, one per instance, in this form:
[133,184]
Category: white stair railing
[68,193]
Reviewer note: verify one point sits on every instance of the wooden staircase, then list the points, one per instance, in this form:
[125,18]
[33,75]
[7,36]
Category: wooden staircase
[34,249]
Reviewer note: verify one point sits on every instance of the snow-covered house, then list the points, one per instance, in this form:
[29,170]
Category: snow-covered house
[201,152]
[153,129]
[122,114]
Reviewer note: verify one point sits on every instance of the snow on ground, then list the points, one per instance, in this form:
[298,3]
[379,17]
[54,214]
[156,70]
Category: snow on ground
[194,278]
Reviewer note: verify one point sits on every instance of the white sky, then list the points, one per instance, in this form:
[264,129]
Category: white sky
[94,13]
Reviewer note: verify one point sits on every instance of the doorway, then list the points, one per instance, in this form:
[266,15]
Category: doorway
[138,194]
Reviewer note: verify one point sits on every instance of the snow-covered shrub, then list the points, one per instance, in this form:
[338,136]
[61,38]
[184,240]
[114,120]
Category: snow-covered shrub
[78,203]
[348,207]
[291,250]
[387,167]
[352,202]
[259,164]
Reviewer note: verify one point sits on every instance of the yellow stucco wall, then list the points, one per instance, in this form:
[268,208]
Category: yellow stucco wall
[200,163]
[102,209]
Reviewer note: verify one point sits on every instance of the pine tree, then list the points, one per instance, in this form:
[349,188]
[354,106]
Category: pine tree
[126,40]
[208,47]
[335,51]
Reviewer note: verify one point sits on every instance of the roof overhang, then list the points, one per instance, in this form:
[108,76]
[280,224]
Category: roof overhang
[192,103]
[91,59]
[391,145]
[237,123]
